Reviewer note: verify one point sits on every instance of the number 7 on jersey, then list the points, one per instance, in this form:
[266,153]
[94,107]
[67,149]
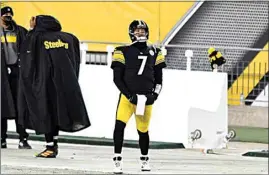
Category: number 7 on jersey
[142,67]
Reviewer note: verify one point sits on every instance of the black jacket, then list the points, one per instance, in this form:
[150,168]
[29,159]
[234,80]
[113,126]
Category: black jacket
[50,95]
[8,105]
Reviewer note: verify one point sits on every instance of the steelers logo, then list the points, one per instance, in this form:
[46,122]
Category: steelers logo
[151,52]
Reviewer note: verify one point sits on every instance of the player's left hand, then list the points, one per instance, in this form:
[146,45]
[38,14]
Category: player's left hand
[151,98]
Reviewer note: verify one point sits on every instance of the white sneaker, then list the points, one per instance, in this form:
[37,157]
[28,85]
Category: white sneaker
[145,163]
[118,165]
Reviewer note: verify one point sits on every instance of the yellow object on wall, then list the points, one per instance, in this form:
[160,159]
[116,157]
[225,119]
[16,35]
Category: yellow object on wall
[105,21]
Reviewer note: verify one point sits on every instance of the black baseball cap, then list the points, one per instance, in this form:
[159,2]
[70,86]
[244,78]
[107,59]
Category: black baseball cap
[6,10]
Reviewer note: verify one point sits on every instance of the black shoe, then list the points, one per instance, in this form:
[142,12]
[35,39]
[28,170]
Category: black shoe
[24,144]
[49,152]
[3,144]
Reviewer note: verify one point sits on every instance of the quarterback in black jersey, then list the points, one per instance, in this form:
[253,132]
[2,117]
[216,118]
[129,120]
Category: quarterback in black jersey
[137,70]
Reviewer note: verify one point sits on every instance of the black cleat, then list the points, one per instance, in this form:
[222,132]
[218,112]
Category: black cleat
[49,152]
[24,144]
[3,144]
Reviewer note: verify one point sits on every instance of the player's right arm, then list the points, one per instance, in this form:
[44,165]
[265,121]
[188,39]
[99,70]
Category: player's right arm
[118,66]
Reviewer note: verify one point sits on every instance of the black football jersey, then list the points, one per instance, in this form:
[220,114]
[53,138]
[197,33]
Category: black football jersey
[138,66]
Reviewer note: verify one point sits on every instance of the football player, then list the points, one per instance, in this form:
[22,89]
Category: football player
[137,70]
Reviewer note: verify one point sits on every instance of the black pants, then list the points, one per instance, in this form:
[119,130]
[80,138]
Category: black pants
[50,136]
[19,129]
[13,77]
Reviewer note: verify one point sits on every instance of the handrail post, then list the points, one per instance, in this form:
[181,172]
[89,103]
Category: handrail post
[83,52]
[189,55]
[110,50]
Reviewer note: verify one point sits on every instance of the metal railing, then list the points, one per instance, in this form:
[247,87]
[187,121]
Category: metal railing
[175,45]
[246,79]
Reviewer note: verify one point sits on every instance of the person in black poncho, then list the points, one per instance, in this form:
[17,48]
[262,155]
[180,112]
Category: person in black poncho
[50,98]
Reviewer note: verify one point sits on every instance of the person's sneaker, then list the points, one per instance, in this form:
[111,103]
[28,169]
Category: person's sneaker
[3,144]
[145,163]
[118,165]
[49,152]
[23,144]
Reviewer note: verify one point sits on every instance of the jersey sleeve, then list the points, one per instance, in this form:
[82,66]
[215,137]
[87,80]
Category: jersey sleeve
[160,59]
[118,59]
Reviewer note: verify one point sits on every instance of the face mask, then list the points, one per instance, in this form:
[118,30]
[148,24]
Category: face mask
[8,20]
